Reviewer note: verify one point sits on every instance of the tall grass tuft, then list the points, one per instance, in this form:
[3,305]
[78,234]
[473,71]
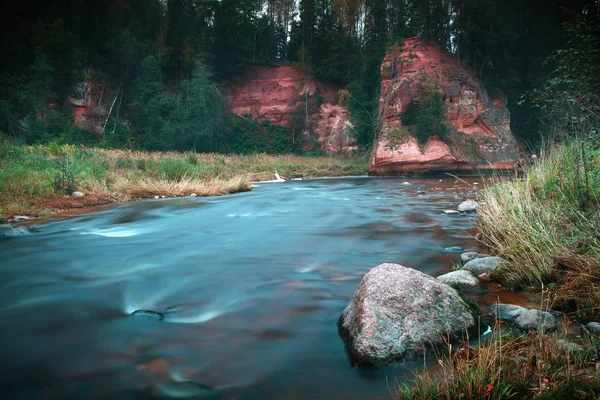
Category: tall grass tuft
[510,367]
[547,225]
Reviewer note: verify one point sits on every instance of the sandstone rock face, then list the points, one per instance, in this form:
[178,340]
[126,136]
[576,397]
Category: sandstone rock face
[397,312]
[480,136]
[279,95]
[90,102]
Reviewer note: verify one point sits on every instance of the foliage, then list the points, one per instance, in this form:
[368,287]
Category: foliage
[159,54]
[431,114]
[569,101]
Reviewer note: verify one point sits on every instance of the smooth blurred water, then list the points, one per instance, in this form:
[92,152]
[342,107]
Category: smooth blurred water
[251,286]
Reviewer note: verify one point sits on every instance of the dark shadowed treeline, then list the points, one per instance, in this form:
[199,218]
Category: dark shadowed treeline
[161,65]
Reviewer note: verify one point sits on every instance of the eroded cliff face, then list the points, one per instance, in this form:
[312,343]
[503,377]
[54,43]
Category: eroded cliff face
[282,96]
[479,125]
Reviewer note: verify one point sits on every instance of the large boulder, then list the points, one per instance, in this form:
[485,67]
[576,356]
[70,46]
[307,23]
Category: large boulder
[484,265]
[397,312]
[479,136]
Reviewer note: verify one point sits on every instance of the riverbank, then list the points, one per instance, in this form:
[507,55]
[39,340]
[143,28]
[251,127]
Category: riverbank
[40,180]
[546,225]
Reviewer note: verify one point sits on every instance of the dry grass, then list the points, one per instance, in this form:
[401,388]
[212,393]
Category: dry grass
[534,366]
[148,187]
[547,226]
[37,180]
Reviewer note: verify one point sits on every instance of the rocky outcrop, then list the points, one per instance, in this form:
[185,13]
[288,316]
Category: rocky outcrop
[90,102]
[479,124]
[283,96]
[398,312]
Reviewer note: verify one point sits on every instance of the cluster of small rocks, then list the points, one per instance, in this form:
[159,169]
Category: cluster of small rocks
[476,268]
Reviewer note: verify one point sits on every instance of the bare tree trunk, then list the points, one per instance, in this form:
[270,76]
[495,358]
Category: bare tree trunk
[111,108]
[101,94]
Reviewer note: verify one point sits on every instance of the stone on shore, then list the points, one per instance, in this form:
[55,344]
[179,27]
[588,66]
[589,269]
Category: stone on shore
[459,279]
[397,312]
[468,206]
[594,327]
[77,195]
[484,265]
[507,312]
[471,255]
[533,320]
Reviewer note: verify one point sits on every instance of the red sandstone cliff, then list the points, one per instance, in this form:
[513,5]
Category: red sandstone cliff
[479,124]
[280,94]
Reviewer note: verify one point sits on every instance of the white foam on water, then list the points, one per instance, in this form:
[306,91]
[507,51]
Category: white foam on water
[209,313]
[117,232]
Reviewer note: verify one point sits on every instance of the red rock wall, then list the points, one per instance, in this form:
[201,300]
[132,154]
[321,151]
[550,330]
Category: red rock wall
[480,136]
[277,94]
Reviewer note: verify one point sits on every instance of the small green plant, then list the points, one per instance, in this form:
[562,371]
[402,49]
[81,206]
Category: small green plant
[192,159]
[65,181]
[431,116]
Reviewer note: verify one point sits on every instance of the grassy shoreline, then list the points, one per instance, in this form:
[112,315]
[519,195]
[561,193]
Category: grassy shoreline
[546,224]
[39,180]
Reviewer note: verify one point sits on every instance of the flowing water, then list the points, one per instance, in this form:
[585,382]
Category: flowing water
[251,286]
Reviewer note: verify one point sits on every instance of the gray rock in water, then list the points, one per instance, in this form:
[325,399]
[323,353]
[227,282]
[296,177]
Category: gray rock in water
[20,231]
[450,212]
[454,249]
[533,320]
[594,327]
[459,279]
[77,195]
[420,192]
[468,206]
[470,255]
[397,312]
[484,265]
[506,312]
[149,314]
[406,183]
[19,218]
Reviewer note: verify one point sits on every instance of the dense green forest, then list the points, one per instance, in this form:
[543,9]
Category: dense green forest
[165,63]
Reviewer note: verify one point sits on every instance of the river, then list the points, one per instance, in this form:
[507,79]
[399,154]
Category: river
[251,286]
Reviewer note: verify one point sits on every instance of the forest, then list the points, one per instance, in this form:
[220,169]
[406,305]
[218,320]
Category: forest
[165,63]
